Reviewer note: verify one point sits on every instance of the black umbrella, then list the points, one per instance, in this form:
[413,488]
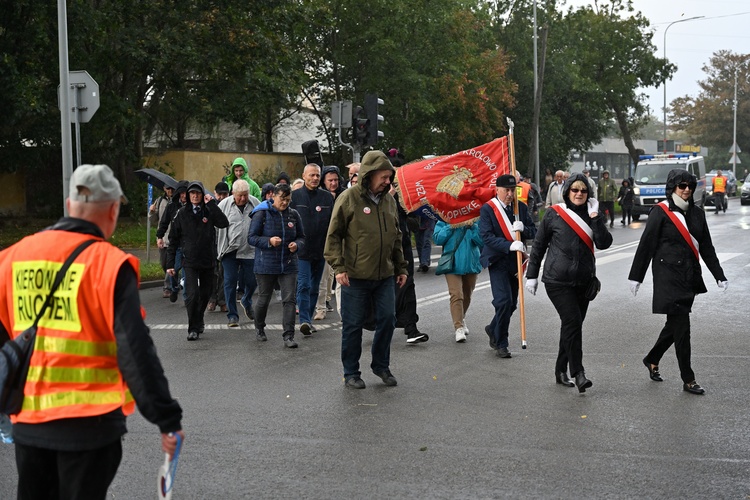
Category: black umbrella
[156,178]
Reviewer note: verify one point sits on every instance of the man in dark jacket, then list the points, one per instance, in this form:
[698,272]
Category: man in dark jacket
[314,206]
[676,267]
[193,230]
[498,231]
[277,233]
[406,296]
[364,249]
[331,180]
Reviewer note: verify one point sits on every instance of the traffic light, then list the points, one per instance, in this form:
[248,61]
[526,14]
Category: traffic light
[375,119]
[361,126]
[311,150]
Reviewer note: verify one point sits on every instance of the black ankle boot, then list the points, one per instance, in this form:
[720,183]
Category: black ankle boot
[563,379]
[582,382]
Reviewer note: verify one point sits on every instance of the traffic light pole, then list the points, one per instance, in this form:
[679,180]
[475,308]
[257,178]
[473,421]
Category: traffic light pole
[355,152]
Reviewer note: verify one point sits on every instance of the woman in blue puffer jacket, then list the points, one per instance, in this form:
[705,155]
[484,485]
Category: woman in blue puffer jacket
[277,234]
[461,271]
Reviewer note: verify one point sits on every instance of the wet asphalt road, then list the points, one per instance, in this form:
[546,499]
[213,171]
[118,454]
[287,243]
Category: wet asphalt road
[263,421]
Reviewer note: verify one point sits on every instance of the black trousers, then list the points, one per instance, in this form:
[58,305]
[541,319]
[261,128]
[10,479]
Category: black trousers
[198,285]
[66,475]
[676,331]
[406,307]
[571,306]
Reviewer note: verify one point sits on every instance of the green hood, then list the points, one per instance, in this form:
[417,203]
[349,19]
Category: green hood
[371,162]
[239,161]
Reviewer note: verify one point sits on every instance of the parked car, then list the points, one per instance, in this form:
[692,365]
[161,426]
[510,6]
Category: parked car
[745,192]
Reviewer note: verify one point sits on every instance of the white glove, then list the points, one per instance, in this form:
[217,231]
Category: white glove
[634,286]
[593,205]
[516,246]
[518,226]
[531,285]
[723,285]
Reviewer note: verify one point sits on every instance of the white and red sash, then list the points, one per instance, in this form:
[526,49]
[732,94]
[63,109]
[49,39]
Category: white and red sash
[679,221]
[502,219]
[576,224]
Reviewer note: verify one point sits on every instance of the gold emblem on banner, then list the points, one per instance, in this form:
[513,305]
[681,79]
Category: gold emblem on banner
[452,184]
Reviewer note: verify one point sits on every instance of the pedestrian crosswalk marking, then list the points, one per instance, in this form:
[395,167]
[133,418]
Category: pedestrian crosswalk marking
[248,326]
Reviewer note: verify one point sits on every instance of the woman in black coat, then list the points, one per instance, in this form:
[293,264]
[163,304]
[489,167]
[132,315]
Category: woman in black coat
[676,269]
[570,231]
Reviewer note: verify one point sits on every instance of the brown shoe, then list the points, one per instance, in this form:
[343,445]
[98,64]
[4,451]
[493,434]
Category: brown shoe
[166,293]
[212,306]
[223,309]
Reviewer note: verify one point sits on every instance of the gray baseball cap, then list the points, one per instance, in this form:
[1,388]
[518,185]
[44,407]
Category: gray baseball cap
[91,183]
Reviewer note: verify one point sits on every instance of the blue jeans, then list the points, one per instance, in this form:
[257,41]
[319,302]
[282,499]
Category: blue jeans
[233,269]
[504,286]
[287,283]
[309,273]
[179,272]
[422,239]
[357,300]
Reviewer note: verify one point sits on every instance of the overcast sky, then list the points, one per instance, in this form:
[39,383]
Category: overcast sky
[690,44]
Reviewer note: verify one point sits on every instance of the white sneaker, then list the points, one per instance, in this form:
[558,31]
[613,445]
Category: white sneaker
[460,334]
[466,328]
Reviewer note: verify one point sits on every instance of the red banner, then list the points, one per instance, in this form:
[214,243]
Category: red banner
[454,187]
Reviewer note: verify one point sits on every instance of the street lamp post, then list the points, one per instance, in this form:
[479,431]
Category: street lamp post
[664,144]
[734,131]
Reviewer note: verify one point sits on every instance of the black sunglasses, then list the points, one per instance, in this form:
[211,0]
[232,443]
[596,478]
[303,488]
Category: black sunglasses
[683,185]
[576,190]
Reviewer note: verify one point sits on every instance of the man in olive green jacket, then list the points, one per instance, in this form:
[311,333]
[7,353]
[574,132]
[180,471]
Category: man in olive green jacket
[363,247]
[607,196]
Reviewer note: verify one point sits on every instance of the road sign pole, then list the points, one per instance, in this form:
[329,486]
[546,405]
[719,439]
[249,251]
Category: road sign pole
[67,147]
[76,116]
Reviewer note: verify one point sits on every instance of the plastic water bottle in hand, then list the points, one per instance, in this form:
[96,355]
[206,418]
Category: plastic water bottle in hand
[6,429]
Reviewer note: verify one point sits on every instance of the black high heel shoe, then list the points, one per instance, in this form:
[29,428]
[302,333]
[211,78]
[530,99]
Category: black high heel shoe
[563,379]
[582,382]
[653,373]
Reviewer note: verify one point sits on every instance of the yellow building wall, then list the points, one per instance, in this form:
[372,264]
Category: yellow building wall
[206,166]
[209,167]
[14,194]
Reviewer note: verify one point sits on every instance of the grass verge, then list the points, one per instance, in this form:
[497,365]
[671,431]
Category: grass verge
[130,234]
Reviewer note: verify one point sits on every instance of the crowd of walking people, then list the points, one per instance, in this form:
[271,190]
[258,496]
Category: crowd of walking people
[350,234]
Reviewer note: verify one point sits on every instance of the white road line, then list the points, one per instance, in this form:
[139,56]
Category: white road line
[244,327]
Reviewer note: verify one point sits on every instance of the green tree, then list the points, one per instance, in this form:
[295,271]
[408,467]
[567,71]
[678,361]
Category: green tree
[708,118]
[573,117]
[616,56]
[434,63]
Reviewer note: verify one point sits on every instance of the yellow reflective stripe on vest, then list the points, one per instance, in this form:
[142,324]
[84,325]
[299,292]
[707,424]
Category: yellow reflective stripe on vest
[73,375]
[75,347]
[70,398]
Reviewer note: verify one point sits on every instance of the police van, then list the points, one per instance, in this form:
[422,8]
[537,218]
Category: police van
[650,178]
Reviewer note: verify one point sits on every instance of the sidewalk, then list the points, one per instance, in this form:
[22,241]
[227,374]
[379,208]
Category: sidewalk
[141,254]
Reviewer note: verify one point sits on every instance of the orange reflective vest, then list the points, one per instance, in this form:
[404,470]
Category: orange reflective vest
[522,191]
[73,372]
[720,184]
